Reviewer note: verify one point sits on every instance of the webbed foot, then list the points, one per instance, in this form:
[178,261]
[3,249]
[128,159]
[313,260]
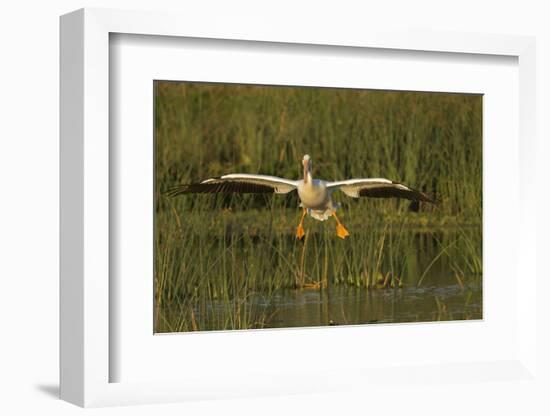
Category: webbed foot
[341,231]
[300,232]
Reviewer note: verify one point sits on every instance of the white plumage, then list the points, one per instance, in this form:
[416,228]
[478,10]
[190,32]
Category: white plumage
[315,194]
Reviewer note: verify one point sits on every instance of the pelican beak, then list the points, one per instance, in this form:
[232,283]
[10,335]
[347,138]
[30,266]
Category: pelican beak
[305,162]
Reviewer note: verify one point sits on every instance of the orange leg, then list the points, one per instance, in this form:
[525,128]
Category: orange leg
[300,230]
[341,231]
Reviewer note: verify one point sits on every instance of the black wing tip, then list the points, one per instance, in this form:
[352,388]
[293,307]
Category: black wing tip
[428,199]
[420,196]
[177,190]
[414,206]
[186,188]
[228,186]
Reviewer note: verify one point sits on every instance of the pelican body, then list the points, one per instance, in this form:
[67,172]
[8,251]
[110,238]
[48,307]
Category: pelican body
[316,198]
[315,194]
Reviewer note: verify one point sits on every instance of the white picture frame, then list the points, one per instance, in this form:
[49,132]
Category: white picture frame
[86,357]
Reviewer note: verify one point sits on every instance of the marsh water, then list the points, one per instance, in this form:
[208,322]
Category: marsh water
[340,305]
[437,277]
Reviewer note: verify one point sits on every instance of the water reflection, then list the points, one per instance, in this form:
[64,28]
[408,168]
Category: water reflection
[341,305]
[440,271]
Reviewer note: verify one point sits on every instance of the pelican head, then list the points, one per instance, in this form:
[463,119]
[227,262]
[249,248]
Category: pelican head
[306,162]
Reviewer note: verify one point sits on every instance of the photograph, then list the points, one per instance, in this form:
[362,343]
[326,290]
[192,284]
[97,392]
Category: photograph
[292,206]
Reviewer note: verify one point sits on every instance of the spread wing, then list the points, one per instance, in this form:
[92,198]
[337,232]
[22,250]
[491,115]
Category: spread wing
[378,188]
[237,182]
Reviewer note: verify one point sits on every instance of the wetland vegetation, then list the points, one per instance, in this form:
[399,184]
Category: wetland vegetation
[232,261]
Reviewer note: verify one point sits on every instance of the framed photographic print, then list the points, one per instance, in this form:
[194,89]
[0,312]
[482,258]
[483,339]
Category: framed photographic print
[245,215]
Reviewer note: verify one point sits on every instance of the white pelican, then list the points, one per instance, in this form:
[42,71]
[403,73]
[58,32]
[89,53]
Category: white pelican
[315,194]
